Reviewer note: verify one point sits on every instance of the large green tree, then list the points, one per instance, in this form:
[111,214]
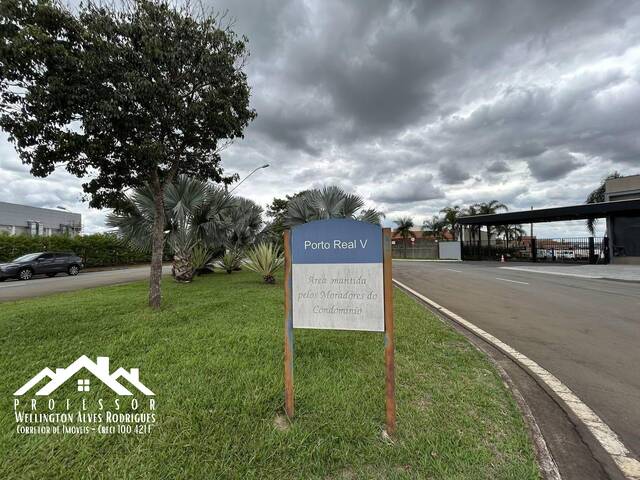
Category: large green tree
[277,211]
[123,94]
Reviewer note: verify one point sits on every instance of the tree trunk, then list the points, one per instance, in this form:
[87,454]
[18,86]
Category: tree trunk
[182,267]
[157,249]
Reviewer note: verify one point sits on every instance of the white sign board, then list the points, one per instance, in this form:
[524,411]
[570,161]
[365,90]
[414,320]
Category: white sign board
[337,275]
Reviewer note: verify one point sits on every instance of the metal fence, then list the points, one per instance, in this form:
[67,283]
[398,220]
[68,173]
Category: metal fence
[418,249]
[559,250]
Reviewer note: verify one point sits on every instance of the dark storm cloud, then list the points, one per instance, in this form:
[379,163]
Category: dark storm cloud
[552,166]
[499,166]
[452,172]
[408,189]
[420,104]
[294,132]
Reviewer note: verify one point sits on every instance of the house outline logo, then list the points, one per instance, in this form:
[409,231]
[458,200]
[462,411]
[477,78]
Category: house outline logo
[99,369]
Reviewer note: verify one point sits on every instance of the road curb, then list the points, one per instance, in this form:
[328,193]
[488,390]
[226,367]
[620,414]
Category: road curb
[615,455]
[545,459]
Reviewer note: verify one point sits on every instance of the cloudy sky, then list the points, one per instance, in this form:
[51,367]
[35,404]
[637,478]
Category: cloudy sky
[421,104]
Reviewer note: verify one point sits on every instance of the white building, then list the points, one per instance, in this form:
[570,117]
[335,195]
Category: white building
[24,220]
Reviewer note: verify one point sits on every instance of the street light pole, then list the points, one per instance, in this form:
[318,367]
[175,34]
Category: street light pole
[252,172]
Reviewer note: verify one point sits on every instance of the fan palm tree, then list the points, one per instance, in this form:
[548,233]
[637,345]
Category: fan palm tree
[370,215]
[328,202]
[196,214]
[245,223]
[404,226]
[597,196]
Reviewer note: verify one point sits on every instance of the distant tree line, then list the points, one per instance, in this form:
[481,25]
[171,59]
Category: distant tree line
[448,221]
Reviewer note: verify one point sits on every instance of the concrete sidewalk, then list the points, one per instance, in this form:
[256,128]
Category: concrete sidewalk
[627,273]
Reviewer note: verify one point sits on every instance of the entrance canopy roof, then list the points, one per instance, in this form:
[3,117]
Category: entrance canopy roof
[556,214]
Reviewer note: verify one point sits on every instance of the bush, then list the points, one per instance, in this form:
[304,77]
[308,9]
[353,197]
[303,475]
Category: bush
[230,261]
[264,259]
[98,250]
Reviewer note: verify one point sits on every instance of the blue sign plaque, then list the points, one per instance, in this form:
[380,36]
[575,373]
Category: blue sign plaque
[337,275]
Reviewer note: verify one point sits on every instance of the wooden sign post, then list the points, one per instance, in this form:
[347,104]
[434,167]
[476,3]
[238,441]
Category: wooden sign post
[338,276]
[389,340]
[288,329]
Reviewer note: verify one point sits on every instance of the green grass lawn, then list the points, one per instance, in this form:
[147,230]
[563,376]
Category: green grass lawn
[213,357]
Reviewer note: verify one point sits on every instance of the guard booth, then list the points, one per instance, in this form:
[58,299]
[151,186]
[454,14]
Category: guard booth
[624,227]
[621,244]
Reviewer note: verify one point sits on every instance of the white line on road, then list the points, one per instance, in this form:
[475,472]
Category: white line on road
[452,270]
[551,272]
[512,281]
[436,260]
[607,438]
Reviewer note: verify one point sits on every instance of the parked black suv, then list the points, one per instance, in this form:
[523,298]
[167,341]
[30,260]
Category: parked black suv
[47,263]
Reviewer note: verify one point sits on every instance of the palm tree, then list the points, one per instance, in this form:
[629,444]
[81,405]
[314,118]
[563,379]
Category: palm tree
[489,208]
[597,196]
[450,218]
[434,226]
[370,215]
[196,215]
[471,211]
[511,232]
[328,202]
[404,226]
[245,222]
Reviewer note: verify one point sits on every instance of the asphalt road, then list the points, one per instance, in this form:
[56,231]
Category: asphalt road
[15,289]
[584,331]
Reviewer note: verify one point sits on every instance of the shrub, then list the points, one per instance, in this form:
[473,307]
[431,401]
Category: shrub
[201,259]
[230,261]
[264,259]
[97,250]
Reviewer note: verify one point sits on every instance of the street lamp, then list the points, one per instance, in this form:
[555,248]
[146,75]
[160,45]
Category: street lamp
[252,172]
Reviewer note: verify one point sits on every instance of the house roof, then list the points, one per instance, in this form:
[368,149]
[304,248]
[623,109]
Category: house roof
[556,214]
[100,371]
